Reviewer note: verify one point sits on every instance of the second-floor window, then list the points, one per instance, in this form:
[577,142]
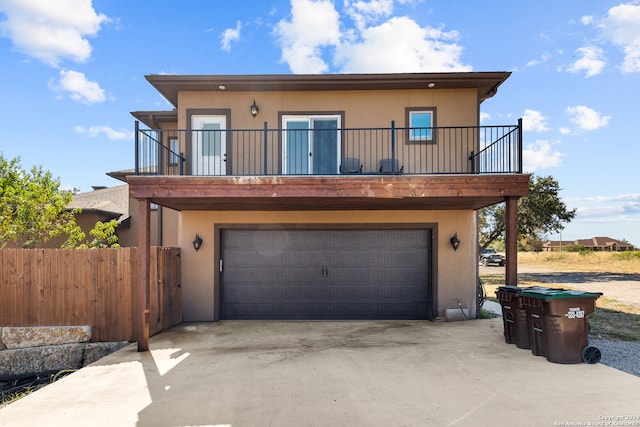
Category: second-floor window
[421,122]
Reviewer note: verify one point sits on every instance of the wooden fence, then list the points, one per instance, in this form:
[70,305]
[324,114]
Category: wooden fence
[95,287]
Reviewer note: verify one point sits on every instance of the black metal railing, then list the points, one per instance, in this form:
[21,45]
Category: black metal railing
[353,151]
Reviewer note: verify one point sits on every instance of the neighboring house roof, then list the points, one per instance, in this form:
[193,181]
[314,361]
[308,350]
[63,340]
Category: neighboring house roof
[609,242]
[113,202]
[558,243]
[486,83]
[594,242]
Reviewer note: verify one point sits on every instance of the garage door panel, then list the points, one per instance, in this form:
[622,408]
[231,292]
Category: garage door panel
[346,275]
[325,274]
[354,294]
[348,258]
[249,275]
[300,275]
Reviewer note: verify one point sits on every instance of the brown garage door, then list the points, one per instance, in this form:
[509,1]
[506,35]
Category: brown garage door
[325,274]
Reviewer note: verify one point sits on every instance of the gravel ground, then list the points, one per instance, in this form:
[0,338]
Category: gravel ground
[622,355]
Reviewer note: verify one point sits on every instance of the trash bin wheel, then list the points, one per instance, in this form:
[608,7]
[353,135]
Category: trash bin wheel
[591,354]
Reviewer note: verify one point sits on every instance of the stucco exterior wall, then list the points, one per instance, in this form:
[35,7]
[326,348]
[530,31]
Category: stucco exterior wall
[455,271]
[358,110]
[455,107]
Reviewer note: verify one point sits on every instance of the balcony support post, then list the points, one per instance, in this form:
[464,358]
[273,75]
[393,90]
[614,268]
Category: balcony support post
[143,306]
[511,237]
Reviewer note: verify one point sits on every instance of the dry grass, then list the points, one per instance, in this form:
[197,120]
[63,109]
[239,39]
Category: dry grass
[601,262]
[613,318]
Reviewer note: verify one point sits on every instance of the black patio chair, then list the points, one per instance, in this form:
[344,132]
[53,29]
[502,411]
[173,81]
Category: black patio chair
[386,167]
[350,165]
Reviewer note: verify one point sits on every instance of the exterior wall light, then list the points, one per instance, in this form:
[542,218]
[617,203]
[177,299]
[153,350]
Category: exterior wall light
[197,243]
[455,242]
[254,109]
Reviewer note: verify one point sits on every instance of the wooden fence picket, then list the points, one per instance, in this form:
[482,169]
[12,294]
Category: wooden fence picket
[95,287]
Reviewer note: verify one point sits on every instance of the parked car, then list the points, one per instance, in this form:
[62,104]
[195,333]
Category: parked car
[494,258]
[486,252]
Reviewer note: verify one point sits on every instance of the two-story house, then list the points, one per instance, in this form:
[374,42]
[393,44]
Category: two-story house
[351,196]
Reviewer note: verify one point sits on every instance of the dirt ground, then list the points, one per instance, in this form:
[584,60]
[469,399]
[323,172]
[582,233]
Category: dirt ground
[624,288]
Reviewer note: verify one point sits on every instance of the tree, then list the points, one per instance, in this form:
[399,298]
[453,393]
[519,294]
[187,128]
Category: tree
[33,209]
[540,212]
[103,233]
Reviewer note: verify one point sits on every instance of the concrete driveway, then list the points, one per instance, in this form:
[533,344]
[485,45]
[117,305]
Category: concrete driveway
[331,374]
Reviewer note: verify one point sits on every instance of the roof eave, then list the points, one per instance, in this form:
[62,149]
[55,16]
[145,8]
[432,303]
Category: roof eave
[487,83]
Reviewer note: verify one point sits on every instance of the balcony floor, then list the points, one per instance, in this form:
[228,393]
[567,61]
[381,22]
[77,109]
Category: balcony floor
[277,193]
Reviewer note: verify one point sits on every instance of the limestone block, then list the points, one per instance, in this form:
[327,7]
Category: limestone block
[97,350]
[35,360]
[23,337]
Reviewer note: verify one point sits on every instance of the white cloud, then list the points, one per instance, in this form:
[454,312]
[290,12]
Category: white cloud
[590,61]
[110,133]
[631,197]
[365,12]
[540,155]
[78,87]
[313,25]
[586,20]
[51,30]
[315,38]
[545,57]
[586,118]
[534,121]
[621,27]
[230,35]
[484,117]
[615,208]
[401,45]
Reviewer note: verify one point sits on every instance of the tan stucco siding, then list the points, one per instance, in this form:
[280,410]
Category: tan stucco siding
[358,110]
[456,107]
[170,219]
[456,272]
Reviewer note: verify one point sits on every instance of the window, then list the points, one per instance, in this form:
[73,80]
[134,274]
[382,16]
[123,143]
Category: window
[174,151]
[421,122]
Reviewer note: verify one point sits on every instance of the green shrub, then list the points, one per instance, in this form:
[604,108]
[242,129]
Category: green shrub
[627,255]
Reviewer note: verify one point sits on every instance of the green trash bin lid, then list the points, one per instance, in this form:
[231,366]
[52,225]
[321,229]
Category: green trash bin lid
[550,293]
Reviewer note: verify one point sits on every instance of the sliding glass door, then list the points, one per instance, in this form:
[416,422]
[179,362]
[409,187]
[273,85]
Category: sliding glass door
[311,145]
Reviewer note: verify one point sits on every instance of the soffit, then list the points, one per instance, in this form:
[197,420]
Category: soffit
[486,83]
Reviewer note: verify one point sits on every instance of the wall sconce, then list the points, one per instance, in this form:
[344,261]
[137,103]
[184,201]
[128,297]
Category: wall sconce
[254,109]
[197,243]
[455,242]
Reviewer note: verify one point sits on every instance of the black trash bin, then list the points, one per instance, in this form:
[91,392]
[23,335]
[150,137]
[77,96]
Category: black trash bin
[514,316]
[558,325]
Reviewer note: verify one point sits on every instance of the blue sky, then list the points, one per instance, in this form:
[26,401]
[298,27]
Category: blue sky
[74,69]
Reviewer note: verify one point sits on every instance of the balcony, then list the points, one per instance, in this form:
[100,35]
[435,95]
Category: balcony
[362,152]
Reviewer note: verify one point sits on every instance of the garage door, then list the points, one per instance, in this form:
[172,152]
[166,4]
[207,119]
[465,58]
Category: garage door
[325,274]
